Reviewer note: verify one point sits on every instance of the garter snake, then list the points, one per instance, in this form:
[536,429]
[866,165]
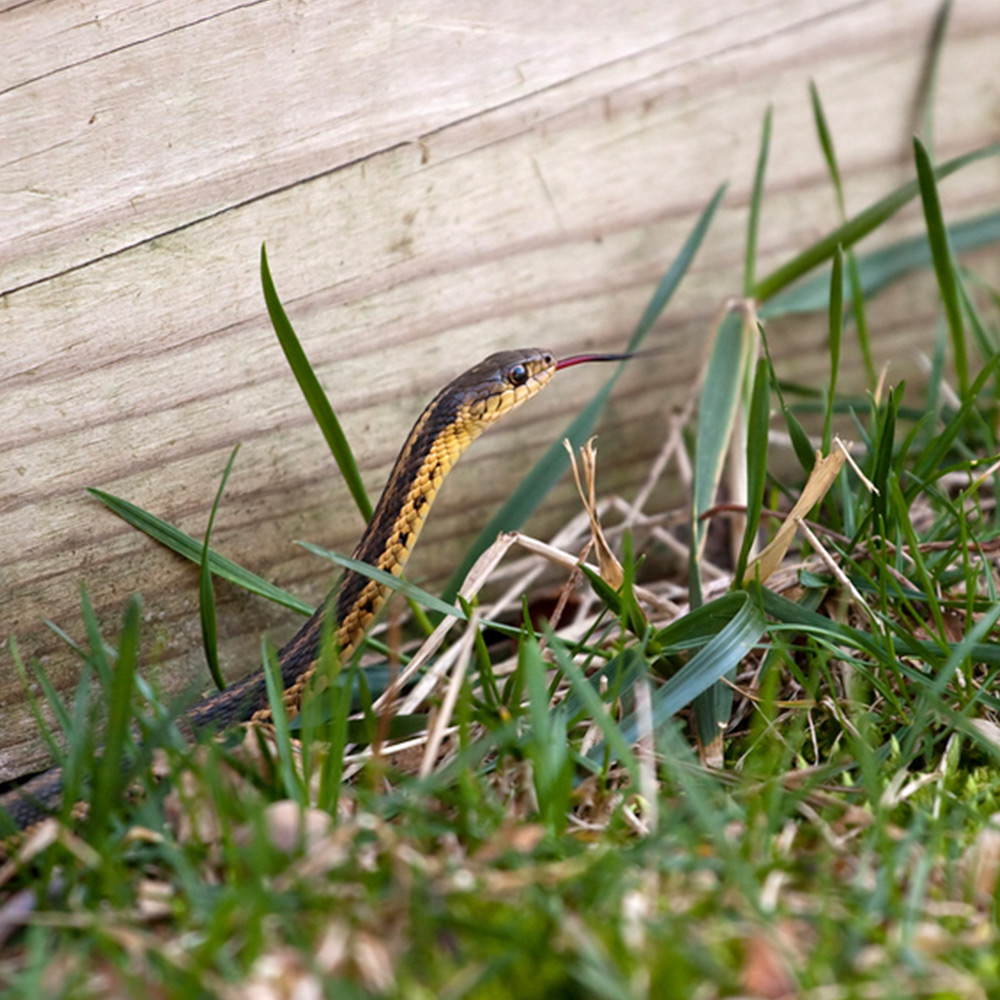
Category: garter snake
[452,420]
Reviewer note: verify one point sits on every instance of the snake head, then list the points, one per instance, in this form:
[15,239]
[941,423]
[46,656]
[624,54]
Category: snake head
[499,383]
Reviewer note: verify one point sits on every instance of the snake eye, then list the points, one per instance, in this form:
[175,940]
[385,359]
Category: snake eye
[517,375]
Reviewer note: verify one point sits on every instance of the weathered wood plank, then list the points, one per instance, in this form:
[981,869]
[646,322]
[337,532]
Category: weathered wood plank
[430,188]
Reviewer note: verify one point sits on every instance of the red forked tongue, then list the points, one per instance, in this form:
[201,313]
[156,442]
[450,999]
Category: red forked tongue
[580,359]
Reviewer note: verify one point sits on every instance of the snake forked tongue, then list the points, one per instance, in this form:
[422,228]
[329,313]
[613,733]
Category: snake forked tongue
[581,359]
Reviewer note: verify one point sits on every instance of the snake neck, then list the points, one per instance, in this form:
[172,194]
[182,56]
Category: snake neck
[433,446]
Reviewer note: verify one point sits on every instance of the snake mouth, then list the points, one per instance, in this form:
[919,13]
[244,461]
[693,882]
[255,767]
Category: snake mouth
[582,359]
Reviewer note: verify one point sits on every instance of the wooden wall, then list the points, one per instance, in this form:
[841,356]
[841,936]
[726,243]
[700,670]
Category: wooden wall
[434,181]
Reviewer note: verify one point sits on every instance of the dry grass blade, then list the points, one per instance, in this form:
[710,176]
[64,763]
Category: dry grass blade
[610,568]
[443,718]
[823,474]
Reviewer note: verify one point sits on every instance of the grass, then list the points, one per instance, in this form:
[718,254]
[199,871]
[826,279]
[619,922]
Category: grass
[751,782]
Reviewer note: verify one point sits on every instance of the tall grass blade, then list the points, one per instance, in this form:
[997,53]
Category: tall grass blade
[826,144]
[718,404]
[922,117]
[410,590]
[944,265]
[722,395]
[836,329]
[322,411]
[756,199]
[279,719]
[801,445]
[110,776]
[853,272]
[757,433]
[547,747]
[206,592]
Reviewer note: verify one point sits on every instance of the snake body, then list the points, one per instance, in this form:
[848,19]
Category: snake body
[452,420]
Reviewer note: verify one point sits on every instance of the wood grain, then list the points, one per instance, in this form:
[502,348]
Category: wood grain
[432,183]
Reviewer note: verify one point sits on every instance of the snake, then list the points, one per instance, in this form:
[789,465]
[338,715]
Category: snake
[450,422]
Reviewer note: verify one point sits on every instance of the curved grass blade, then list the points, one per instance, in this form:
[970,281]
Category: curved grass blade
[858,227]
[922,115]
[756,197]
[206,593]
[944,265]
[853,273]
[826,144]
[322,411]
[184,545]
[549,469]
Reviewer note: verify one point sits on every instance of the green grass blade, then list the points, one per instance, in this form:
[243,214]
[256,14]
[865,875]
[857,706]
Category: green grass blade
[206,593]
[549,469]
[757,430]
[81,744]
[800,440]
[836,329]
[279,719]
[100,653]
[423,597]
[826,144]
[860,313]
[51,695]
[339,700]
[923,105]
[858,227]
[721,654]
[929,462]
[721,395]
[756,198]
[713,706]
[615,741]
[985,339]
[547,747]
[184,545]
[853,273]
[315,396]
[944,266]
[880,268]
[109,774]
